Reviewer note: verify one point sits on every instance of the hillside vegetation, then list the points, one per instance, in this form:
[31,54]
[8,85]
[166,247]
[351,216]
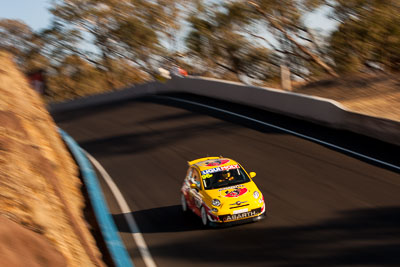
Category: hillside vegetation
[94,46]
[373,94]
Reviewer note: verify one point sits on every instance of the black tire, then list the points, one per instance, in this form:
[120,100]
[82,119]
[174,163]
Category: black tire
[184,204]
[204,218]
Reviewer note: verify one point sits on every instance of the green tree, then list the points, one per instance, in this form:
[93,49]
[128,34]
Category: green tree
[15,37]
[95,45]
[368,35]
[75,77]
[283,19]
[25,45]
[96,20]
[217,41]
[127,29]
[225,33]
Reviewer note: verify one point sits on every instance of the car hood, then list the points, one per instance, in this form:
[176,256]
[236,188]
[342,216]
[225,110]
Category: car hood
[233,194]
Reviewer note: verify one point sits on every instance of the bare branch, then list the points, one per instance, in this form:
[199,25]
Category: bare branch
[302,48]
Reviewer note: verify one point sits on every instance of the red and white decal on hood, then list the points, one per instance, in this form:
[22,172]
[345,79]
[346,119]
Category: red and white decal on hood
[233,191]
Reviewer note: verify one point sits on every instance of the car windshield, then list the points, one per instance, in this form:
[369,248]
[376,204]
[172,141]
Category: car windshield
[224,178]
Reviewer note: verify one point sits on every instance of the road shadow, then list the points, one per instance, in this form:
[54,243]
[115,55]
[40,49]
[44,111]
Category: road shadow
[175,131]
[362,237]
[138,142]
[86,111]
[348,140]
[182,115]
[162,219]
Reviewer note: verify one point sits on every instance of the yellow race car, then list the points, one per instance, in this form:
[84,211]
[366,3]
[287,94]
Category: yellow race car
[220,191]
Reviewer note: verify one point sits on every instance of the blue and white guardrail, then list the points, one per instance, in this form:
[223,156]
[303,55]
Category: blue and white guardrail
[107,226]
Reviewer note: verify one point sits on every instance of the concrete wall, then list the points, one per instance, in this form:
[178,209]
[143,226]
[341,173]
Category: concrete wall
[379,128]
[292,104]
[124,94]
[315,109]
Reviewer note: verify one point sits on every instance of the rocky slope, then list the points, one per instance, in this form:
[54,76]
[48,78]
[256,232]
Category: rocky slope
[41,218]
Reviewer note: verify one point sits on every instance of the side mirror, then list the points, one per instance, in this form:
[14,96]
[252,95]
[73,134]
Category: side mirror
[193,186]
[252,174]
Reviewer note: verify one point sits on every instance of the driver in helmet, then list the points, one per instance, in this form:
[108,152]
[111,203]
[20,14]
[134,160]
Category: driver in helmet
[226,176]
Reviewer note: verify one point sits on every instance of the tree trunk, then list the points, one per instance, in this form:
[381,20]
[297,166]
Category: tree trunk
[108,70]
[286,83]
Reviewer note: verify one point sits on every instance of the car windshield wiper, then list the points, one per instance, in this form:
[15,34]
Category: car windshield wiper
[238,182]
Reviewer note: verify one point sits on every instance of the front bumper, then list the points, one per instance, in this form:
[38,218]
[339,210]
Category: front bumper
[232,219]
[241,221]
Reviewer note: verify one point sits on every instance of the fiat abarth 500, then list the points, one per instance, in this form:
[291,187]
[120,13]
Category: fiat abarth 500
[220,191]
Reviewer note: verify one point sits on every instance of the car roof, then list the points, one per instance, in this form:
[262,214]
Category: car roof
[211,162]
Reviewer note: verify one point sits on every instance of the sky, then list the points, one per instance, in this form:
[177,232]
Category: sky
[318,20]
[32,12]
[35,14]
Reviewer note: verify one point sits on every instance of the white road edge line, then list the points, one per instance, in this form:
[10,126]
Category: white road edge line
[285,130]
[136,234]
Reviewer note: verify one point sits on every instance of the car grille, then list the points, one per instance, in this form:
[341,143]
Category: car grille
[247,214]
[239,206]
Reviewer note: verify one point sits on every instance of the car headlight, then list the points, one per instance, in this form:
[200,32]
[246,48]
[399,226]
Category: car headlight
[256,194]
[214,210]
[216,202]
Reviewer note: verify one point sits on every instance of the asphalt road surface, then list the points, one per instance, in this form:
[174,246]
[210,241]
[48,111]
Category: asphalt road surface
[324,207]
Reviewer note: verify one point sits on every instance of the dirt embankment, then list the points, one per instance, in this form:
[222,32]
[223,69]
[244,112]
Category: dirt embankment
[41,218]
[371,94]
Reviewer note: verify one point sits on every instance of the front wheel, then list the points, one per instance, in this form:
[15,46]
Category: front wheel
[183,203]
[204,218]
